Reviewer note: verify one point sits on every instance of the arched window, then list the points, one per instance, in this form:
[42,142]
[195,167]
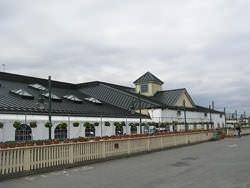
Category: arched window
[133,129]
[90,131]
[60,132]
[23,132]
[118,130]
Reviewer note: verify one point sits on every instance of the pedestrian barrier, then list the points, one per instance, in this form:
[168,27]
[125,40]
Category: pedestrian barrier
[14,161]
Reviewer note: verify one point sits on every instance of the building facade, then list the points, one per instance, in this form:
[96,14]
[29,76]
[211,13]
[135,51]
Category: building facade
[96,109]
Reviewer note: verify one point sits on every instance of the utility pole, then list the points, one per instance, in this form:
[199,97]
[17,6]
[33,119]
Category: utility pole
[50,107]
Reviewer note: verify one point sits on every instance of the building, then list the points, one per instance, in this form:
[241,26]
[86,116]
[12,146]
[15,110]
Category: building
[96,108]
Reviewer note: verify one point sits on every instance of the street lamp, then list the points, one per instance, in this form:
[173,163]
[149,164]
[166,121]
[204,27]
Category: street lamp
[41,103]
[185,115]
[132,108]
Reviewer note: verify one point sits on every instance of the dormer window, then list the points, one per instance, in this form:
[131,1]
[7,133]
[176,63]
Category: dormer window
[38,87]
[144,88]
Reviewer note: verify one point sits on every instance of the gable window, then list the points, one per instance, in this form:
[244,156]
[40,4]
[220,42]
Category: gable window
[144,88]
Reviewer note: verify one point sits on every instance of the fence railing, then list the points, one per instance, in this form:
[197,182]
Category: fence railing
[27,159]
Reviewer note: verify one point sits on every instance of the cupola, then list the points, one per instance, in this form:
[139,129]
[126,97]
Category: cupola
[148,84]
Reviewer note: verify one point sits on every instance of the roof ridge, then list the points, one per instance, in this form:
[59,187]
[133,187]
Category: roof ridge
[29,79]
[172,90]
[135,95]
[148,77]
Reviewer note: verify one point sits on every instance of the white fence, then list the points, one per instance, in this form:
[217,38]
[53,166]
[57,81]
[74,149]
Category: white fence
[28,159]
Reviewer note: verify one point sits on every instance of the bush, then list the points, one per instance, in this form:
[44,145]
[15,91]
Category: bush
[48,125]
[106,123]
[131,124]
[33,124]
[123,123]
[116,124]
[17,124]
[137,124]
[96,124]
[63,125]
[87,124]
[76,124]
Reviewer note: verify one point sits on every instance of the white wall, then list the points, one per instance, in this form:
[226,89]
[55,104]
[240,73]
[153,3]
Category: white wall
[7,133]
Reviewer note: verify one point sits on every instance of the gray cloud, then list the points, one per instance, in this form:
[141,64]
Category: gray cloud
[201,45]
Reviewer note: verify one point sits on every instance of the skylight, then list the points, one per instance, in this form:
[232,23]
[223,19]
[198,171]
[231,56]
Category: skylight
[37,86]
[72,98]
[53,96]
[22,93]
[93,100]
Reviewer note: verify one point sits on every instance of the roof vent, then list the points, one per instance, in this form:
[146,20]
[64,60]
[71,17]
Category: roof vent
[53,96]
[37,86]
[73,98]
[93,100]
[22,93]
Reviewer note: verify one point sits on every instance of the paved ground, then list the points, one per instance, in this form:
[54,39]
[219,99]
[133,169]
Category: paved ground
[209,165]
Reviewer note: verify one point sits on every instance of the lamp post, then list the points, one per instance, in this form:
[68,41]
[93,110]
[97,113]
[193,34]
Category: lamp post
[133,108]
[50,106]
[210,116]
[185,115]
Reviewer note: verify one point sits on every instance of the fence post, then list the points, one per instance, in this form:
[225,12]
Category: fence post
[26,159]
[103,149]
[71,154]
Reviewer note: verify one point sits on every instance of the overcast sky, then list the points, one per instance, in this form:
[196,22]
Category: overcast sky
[201,45]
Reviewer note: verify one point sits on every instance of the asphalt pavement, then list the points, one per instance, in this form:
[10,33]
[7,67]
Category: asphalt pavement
[219,164]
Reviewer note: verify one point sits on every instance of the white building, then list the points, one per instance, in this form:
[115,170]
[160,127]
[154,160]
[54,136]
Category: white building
[96,108]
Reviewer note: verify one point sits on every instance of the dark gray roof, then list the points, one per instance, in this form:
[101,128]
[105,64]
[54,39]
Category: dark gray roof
[148,77]
[116,100]
[117,97]
[170,97]
[11,103]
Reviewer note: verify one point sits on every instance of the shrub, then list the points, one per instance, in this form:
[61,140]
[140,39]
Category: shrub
[116,124]
[96,124]
[131,124]
[63,125]
[48,125]
[106,123]
[123,123]
[33,124]
[137,124]
[87,124]
[76,124]
[17,124]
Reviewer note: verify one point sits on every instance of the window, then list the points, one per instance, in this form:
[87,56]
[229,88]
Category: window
[60,132]
[221,115]
[23,133]
[205,114]
[93,100]
[72,98]
[90,131]
[37,86]
[53,96]
[22,93]
[144,88]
